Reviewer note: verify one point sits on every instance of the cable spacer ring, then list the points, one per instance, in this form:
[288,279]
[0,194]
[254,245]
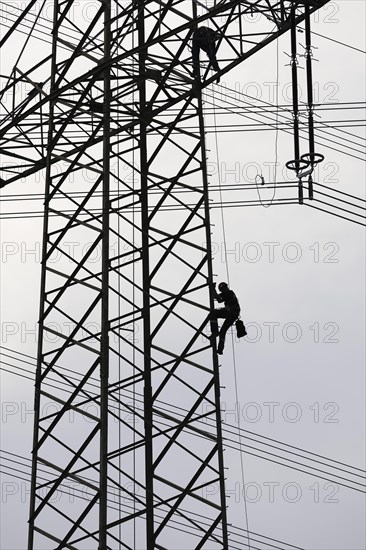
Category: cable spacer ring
[312,158]
[297,165]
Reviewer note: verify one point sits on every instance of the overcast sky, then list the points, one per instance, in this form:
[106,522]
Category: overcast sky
[300,277]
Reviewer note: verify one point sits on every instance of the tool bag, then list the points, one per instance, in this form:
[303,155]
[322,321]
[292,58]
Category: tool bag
[240,328]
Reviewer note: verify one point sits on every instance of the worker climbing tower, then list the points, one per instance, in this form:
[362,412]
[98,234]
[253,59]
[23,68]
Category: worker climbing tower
[133,188]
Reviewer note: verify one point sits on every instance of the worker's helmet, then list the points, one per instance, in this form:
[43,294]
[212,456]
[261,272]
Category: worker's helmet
[222,287]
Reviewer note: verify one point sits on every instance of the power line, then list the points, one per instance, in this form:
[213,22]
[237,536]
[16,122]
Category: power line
[213,189]
[332,213]
[214,203]
[232,204]
[49,29]
[289,121]
[338,42]
[267,105]
[246,434]
[248,449]
[199,518]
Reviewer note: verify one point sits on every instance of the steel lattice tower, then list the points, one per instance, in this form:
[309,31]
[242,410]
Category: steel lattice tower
[123,82]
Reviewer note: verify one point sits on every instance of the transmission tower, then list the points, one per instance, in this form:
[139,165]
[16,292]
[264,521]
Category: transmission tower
[138,300]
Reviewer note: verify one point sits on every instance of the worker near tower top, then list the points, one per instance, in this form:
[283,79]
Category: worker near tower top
[204,39]
[230,313]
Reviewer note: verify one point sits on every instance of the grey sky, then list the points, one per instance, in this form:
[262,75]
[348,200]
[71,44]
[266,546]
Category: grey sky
[300,277]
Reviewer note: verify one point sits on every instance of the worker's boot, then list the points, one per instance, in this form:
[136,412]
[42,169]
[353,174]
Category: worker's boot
[214,328]
[220,347]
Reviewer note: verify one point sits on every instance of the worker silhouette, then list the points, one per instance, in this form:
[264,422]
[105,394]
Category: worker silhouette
[204,39]
[230,313]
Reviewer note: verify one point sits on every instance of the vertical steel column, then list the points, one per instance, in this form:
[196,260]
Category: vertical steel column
[65,296]
[104,358]
[309,79]
[37,394]
[148,417]
[216,374]
[295,99]
[309,75]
